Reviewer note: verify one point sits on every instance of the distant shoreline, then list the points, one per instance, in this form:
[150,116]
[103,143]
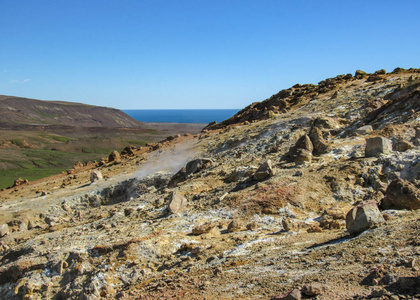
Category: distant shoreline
[180,116]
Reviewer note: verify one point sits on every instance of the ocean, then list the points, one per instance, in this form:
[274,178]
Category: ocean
[201,116]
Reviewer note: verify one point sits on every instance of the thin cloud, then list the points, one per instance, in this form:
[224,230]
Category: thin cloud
[26,80]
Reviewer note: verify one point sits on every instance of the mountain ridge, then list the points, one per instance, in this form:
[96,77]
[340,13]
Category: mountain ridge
[21,112]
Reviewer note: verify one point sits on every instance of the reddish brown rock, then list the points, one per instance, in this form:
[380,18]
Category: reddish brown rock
[401,194]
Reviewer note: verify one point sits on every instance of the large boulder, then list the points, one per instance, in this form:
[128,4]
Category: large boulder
[378,145]
[363,216]
[320,144]
[264,171]
[401,194]
[177,203]
[114,157]
[197,165]
[304,142]
[95,176]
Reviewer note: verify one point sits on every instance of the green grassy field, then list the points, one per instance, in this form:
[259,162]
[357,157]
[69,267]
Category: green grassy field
[37,154]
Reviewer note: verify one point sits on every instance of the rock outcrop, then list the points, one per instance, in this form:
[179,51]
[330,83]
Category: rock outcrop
[258,214]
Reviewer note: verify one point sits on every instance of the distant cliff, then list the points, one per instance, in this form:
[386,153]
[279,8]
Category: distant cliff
[18,112]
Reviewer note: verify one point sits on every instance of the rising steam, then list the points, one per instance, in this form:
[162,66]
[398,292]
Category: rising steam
[169,160]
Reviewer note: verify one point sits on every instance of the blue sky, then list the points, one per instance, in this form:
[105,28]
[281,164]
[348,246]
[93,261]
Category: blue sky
[195,54]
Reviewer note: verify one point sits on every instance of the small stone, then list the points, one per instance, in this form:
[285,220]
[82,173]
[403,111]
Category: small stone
[377,146]
[320,144]
[313,289]
[212,258]
[401,194]
[293,295]
[128,211]
[217,271]
[4,230]
[146,271]
[203,228]
[114,157]
[402,146]
[264,171]
[95,176]
[303,156]
[198,164]
[177,203]
[185,258]
[252,226]
[287,225]
[364,130]
[304,142]
[314,228]
[106,290]
[235,225]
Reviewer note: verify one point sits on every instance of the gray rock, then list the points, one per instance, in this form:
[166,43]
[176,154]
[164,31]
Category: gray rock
[304,142]
[95,176]
[364,130]
[177,203]
[377,146]
[4,230]
[196,165]
[363,216]
[264,171]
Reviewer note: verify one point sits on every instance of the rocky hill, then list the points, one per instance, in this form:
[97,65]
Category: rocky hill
[24,113]
[316,198]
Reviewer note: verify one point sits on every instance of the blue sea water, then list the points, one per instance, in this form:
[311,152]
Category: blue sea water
[202,116]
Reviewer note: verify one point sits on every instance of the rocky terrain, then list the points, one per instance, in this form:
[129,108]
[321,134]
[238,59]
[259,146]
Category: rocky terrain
[311,194]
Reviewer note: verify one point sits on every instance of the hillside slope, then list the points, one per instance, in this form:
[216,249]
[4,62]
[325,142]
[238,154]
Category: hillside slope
[317,200]
[18,112]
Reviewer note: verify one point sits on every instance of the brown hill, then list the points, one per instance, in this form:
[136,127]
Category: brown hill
[17,112]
